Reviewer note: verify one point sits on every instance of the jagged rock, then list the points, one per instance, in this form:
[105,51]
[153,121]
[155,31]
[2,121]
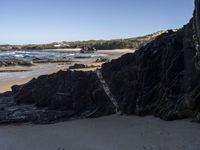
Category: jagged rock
[197,19]
[82,66]
[12,113]
[149,81]
[78,94]
[196,25]
[160,78]
[103,59]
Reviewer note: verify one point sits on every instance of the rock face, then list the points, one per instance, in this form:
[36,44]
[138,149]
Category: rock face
[162,78]
[197,30]
[197,19]
[78,94]
[157,79]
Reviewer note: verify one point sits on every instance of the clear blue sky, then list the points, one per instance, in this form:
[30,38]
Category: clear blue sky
[43,21]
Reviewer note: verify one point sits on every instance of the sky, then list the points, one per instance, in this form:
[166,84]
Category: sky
[44,21]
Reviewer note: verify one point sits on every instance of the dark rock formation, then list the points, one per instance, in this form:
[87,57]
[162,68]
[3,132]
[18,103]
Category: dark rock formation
[103,59]
[197,19]
[57,60]
[7,63]
[197,30]
[78,94]
[162,78]
[156,79]
[86,49]
[12,113]
[82,66]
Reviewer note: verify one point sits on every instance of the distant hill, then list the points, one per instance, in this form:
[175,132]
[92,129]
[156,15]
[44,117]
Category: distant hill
[129,43]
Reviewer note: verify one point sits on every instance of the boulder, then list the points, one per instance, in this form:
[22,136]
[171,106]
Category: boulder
[103,59]
[79,93]
[82,66]
[86,49]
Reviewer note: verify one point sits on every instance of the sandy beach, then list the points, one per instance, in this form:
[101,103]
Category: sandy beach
[63,49]
[8,79]
[107,133]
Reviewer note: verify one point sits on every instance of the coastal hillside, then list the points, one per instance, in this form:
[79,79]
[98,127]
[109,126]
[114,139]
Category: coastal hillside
[162,79]
[130,43]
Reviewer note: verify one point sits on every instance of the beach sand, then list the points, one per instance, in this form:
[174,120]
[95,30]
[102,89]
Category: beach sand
[116,53]
[107,133]
[64,49]
[8,79]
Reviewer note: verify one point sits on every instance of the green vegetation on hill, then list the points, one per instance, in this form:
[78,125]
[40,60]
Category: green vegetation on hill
[130,43]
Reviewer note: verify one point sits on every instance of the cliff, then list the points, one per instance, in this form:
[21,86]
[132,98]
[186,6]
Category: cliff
[197,29]
[161,78]
[197,19]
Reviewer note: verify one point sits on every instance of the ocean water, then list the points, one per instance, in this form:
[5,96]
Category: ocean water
[41,69]
[43,55]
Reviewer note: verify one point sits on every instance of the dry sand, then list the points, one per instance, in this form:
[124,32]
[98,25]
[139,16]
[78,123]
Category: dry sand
[116,53]
[7,80]
[64,49]
[107,133]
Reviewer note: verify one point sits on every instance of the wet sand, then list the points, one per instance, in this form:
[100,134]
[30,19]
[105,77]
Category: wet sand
[107,133]
[8,79]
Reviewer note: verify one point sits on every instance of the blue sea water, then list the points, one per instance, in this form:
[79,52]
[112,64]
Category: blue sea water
[43,55]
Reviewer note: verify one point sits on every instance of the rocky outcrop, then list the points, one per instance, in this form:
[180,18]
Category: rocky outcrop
[197,30]
[12,113]
[162,79]
[83,66]
[157,79]
[8,63]
[77,94]
[86,49]
[197,19]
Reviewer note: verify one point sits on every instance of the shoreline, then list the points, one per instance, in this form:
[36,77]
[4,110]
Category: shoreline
[12,75]
[63,49]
